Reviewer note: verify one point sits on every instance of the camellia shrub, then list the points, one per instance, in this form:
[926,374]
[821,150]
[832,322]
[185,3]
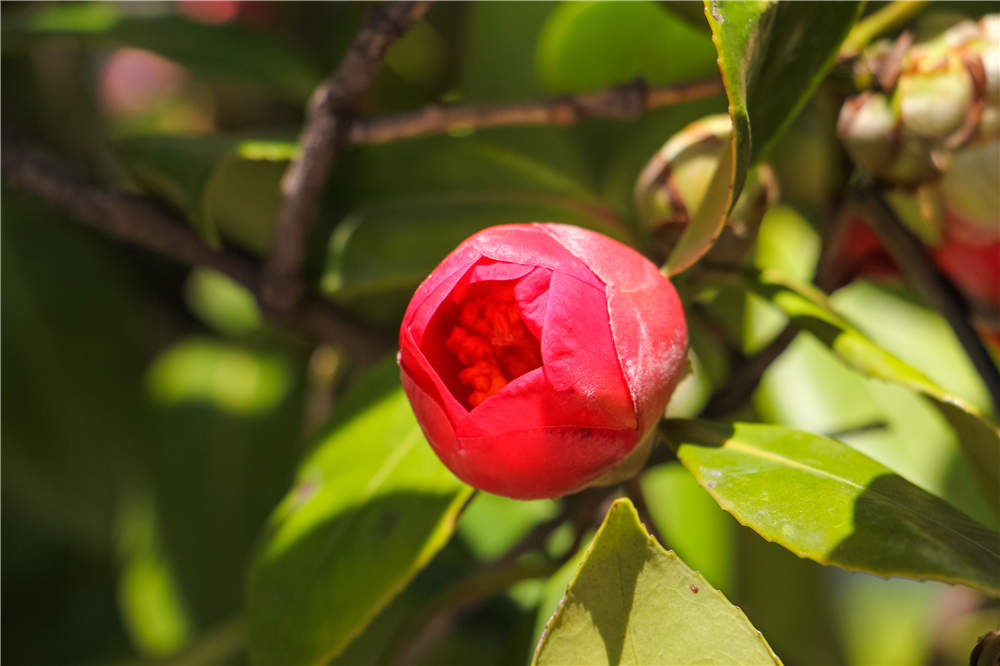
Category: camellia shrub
[501,333]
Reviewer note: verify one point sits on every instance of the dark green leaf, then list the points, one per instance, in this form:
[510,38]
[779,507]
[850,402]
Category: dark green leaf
[804,40]
[219,183]
[634,602]
[772,56]
[394,245]
[370,507]
[823,500]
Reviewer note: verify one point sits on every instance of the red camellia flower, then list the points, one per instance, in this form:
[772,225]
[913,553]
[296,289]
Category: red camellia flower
[537,356]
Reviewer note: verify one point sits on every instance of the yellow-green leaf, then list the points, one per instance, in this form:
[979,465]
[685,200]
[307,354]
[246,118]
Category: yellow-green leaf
[632,602]
[369,508]
[821,499]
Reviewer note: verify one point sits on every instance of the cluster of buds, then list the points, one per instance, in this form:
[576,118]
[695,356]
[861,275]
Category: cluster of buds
[924,101]
[930,134]
[673,184]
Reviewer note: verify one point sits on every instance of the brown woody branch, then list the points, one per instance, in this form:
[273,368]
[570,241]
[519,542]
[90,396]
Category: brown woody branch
[282,286]
[626,101]
[142,222]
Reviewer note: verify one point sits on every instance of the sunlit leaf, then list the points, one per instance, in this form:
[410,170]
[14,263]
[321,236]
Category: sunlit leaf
[228,377]
[222,303]
[370,507]
[823,500]
[590,45]
[632,602]
[808,309]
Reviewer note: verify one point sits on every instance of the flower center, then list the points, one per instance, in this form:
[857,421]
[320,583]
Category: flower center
[489,339]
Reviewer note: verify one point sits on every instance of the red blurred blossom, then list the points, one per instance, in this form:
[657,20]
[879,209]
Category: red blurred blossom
[857,251]
[210,11]
[133,79]
[537,356]
[973,267]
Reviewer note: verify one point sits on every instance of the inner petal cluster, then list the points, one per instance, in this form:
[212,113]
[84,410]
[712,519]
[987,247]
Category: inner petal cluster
[489,339]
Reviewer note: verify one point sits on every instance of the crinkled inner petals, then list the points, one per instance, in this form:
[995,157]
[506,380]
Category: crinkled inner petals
[479,341]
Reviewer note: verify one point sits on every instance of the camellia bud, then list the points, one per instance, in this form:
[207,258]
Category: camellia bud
[867,126]
[671,188]
[945,95]
[537,357]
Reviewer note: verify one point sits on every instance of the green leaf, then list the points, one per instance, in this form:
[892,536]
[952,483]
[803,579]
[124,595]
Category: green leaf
[217,182]
[232,379]
[804,40]
[632,602]
[229,52]
[807,308]
[591,45]
[823,500]
[395,244]
[772,56]
[809,388]
[370,507]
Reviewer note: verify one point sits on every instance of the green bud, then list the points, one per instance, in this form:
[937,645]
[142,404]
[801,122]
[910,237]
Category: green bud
[867,126]
[935,106]
[672,186]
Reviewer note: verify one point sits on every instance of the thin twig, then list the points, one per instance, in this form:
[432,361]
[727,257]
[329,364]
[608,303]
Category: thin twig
[582,510]
[140,221]
[911,257]
[301,185]
[885,19]
[626,101]
[747,378]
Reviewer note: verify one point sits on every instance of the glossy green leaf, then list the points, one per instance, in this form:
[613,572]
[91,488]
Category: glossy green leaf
[823,500]
[218,183]
[591,45]
[228,52]
[370,507]
[632,602]
[809,388]
[807,308]
[772,56]
[804,40]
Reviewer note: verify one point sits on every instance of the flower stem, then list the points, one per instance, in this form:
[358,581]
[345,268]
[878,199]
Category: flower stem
[885,19]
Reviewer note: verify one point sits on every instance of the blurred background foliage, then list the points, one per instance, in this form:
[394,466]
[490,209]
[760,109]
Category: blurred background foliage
[152,419]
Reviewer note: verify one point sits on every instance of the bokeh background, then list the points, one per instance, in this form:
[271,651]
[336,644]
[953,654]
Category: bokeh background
[152,419]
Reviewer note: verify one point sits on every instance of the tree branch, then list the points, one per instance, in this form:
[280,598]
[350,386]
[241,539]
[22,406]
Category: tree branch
[746,378]
[624,101]
[140,221]
[282,286]
[909,254]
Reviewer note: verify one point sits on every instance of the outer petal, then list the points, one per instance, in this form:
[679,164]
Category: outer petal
[541,462]
[421,373]
[529,244]
[647,319]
